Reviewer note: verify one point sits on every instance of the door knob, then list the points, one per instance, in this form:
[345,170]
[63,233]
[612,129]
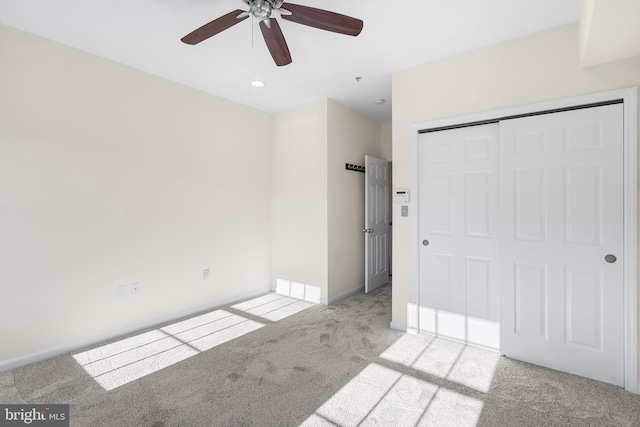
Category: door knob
[425,242]
[610,258]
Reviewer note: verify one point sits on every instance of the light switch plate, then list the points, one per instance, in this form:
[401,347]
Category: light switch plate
[404,210]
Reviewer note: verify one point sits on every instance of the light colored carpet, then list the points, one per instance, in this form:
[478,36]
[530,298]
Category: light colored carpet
[274,361]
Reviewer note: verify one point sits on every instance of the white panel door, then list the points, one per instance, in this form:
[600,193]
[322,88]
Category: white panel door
[459,289]
[561,222]
[376,226]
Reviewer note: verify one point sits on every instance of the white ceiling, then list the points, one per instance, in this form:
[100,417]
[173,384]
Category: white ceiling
[145,34]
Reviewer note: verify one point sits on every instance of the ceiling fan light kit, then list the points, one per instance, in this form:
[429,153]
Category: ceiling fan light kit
[263,12]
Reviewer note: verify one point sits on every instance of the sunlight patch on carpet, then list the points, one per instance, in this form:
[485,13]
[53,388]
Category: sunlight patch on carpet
[449,408]
[130,359]
[273,307]
[466,365]
[380,396]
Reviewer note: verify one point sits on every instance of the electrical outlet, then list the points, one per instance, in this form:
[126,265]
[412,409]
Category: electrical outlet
[205,274]
[123,291]
[135,288]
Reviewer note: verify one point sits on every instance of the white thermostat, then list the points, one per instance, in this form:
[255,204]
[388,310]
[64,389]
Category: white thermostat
[401,196]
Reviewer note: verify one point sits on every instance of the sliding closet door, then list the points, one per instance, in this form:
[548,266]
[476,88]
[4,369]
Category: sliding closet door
[562,241]
[459,289]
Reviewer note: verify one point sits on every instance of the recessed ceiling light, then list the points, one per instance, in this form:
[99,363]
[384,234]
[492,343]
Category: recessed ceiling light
[379,101]
[257,83]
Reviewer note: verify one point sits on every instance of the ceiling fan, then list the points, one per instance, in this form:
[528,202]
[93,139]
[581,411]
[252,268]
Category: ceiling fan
[263,11]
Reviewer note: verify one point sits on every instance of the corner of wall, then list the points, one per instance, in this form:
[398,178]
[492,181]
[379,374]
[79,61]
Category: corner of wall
[585,27]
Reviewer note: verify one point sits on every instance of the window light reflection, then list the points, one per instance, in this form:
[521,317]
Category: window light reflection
[273,307]
[119,363]
[467,365]
[129,359]
[380,396]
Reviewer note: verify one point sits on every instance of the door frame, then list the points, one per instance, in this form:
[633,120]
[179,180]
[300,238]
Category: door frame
[629,97]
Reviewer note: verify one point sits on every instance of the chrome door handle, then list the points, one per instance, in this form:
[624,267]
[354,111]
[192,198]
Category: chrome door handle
[610,258]
[367,230]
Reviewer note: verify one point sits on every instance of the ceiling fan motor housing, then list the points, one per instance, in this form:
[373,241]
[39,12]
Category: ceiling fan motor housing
[262,9]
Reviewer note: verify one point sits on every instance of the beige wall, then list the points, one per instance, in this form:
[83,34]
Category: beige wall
[351,136]
[111,176]
[536,68]
[386,146]
[299,198]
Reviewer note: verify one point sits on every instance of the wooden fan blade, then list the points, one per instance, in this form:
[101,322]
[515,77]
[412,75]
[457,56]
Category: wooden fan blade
[323,19]
[214,27]
[276,43]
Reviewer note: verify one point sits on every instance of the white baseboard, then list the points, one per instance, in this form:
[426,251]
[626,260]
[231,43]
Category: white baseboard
[398,326]
[76,345]
[343,295]
[403,328]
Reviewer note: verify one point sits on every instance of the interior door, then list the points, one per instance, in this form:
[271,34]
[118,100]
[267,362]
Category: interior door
[562,241]
[376,221]
[459,288]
